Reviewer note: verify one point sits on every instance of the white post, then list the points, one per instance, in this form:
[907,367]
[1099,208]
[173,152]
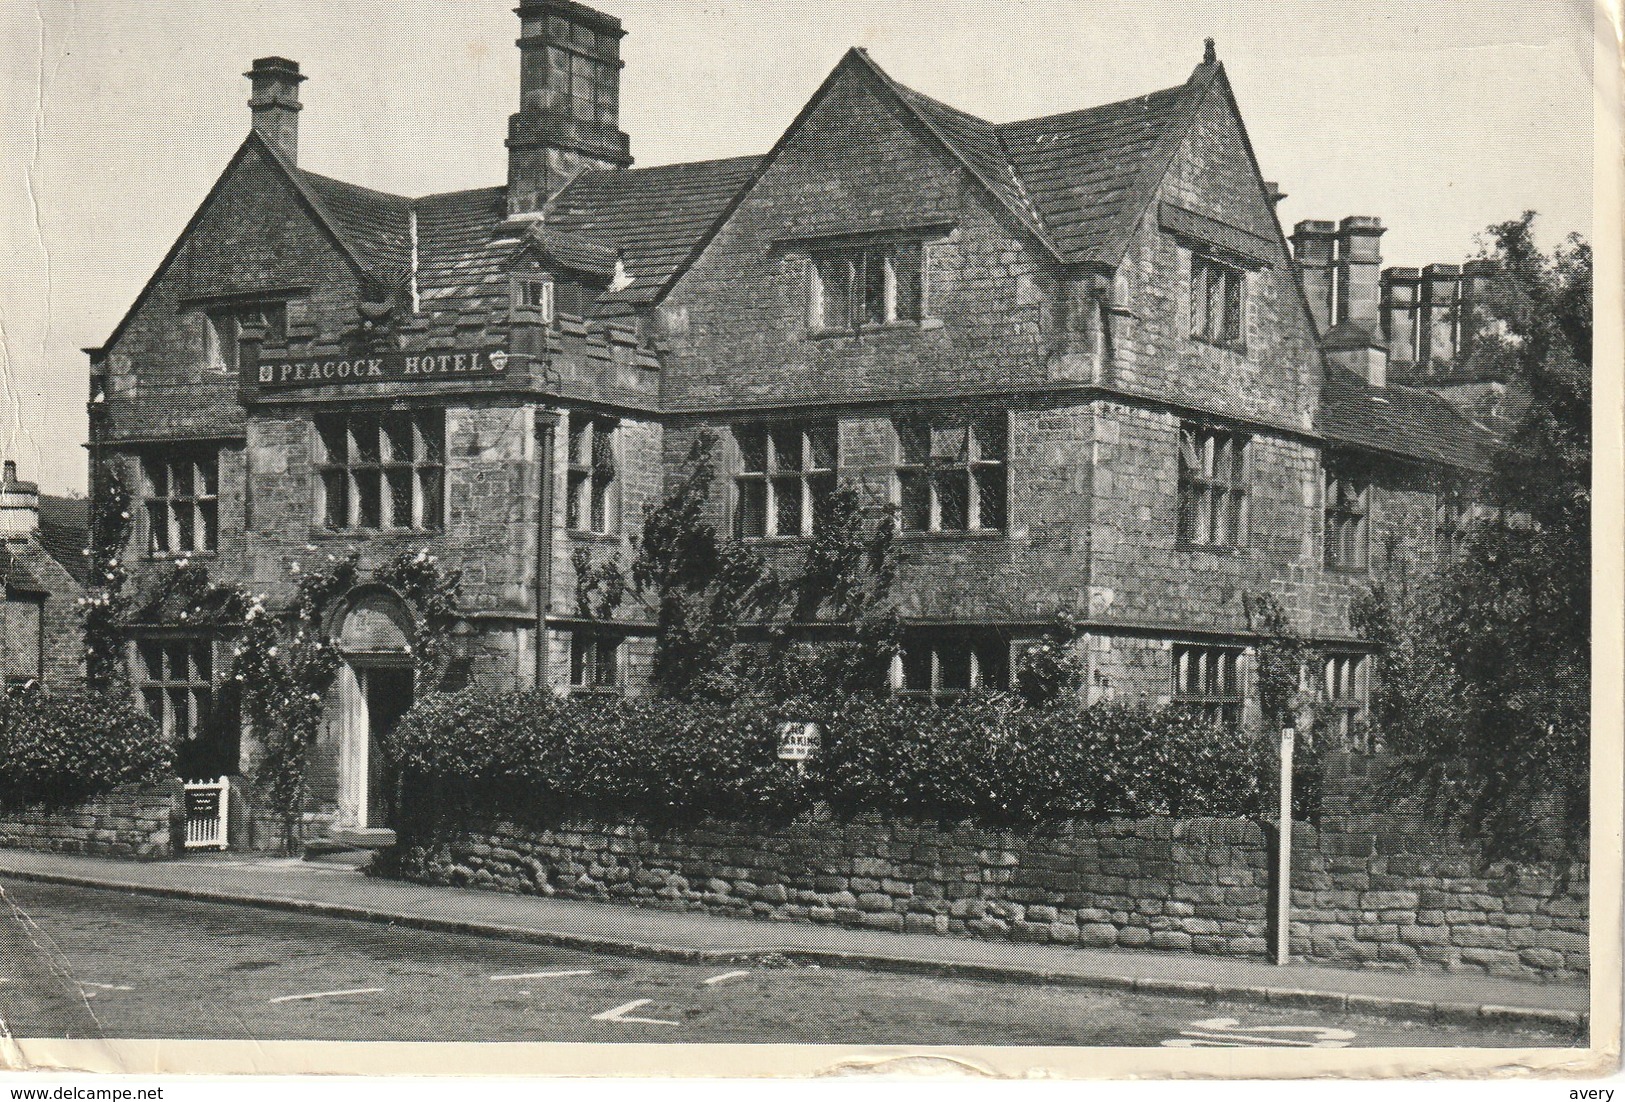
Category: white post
[1283,855]
[225,812]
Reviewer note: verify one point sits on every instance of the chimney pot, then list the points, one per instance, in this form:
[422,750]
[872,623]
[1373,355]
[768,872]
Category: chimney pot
[19,505]
[275,103]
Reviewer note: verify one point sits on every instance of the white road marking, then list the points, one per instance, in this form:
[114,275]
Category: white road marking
[1324,1033]
[619,1014]
[329,994]
[1230,1033]
[723,977]
[545,975]
[106,986]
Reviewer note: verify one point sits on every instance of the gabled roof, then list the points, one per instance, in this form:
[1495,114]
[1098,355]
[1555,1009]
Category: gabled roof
[976,144]
[1397,420]
[1091,173]
[16,577]
[359,221]
[64,533]
[652,216]
[375,225]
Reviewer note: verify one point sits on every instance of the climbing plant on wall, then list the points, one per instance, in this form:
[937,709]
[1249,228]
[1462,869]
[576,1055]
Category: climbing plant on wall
[282,662]
[285,665]
[103,609]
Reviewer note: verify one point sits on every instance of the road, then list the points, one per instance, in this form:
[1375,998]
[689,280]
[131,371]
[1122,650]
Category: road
[84,963]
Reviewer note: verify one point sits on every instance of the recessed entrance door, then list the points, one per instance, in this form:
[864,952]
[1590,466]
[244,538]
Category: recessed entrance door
[388,693]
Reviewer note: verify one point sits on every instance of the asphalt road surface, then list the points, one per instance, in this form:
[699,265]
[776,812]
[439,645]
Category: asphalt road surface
[78,962]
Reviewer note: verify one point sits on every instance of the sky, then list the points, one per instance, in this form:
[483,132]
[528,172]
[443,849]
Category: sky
[116,117]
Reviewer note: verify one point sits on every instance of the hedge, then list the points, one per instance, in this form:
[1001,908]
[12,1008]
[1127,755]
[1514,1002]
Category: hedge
[988,759]
[58,749]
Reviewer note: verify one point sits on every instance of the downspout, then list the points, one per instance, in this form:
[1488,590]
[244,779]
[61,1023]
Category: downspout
[546,421]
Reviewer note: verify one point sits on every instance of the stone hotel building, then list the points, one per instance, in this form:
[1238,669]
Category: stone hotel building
[1077,352]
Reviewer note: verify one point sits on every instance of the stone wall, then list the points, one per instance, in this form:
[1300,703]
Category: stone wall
[1380,890]
[134,821]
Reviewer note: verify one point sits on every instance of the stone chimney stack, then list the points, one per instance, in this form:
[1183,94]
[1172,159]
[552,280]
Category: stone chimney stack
[1314,244]
[1355,341]
[1359,261]
[569,101]
[1441,299]
[275,103]
[19,505]
[1401,311]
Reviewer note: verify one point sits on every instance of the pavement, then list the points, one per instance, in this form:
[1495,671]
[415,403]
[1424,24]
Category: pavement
[340,891]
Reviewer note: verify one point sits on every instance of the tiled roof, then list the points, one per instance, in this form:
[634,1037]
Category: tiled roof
[976,142]
[573,251]
[654,217]
[373,223]
[15,574]
[64,532]
[1091,173]
[462,259]
[1400,421]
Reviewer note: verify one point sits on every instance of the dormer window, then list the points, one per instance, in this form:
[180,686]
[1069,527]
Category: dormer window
[879,284]
[535,294]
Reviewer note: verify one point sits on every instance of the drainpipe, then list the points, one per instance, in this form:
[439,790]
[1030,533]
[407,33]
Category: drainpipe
[1283,855]
[546,423]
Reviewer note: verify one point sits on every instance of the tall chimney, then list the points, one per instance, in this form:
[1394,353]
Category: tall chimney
[1401,307]
[275,103]
[1314,245]
[1477,279]
[569,101]
[1441,291]
[1355,342]
[19,505]
[1359,260]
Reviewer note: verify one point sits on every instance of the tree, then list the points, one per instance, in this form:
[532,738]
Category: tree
[1507,750]
[728,623]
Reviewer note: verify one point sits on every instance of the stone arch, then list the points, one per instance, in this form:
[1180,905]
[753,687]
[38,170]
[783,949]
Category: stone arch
[372,623]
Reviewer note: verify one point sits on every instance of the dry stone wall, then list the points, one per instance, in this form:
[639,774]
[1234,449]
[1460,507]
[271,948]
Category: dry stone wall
[1378,890]
[134,821]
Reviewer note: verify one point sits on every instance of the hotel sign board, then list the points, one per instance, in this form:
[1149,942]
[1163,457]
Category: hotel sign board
[381,367]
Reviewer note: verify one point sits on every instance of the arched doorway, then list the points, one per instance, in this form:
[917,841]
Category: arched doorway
[372,631]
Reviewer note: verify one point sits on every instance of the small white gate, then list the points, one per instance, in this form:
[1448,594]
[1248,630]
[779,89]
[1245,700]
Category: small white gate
[206,813]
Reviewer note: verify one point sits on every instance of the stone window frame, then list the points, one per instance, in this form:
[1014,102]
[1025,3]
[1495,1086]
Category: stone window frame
[924,479]
[223,325]
[182,514]
[944,664]
[783,492]
[1215,484]
[179,700]
[1345,690]
[1348,496]
[592,473]
[1218,291]
[882,282]
[1212,679]
[367,483]
[533,293]
[597,662]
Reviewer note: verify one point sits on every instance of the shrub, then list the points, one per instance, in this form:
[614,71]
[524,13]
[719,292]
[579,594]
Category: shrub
[58,749]
[988,759]
[649,759]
